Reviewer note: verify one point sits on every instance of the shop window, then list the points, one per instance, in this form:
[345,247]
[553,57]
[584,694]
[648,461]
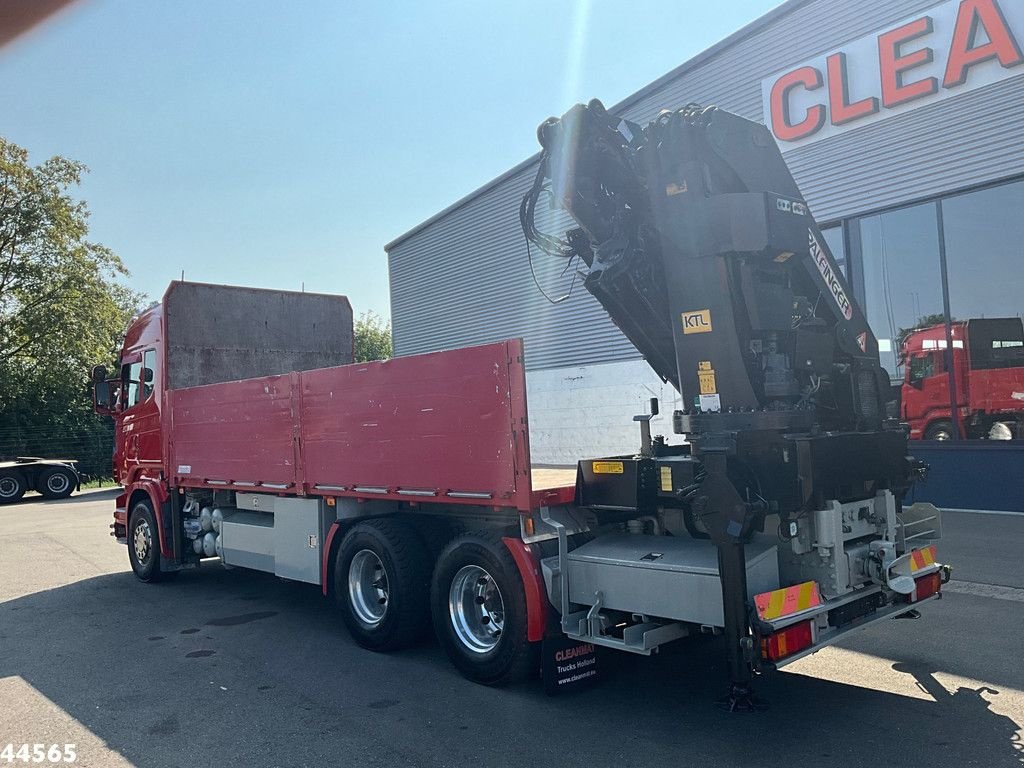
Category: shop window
[984,238]
[984,234]
[901,275]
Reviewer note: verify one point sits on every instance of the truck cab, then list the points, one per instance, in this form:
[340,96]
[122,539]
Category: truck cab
[131,396]
[139,385]
[987,358]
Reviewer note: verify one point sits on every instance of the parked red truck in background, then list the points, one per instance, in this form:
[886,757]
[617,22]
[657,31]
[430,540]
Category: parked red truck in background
[988,376]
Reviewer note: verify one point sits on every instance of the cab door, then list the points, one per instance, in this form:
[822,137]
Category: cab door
[920,366]
[926,396]
[140,417]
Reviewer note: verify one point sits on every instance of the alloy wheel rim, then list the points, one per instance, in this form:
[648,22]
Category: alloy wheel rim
[368,587]
[476,608]
[142,541]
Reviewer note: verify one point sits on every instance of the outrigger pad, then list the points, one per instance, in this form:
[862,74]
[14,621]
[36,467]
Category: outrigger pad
[741,698]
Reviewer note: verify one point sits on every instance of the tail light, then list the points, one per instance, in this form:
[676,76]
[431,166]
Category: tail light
[788,641]
[926,586]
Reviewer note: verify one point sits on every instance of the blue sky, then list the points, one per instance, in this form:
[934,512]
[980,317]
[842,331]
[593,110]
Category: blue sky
[271,144]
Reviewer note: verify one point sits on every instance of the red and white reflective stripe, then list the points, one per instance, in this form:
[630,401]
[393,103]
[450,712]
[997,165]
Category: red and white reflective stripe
[922,558]
[787,601]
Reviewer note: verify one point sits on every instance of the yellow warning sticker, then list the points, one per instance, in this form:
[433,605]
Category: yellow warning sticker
[922,558]
[697,322]
[706,376]
[666,479]
[607,467]
[788,600]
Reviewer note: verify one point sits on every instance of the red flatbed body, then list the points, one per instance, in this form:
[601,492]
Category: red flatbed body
[446,427]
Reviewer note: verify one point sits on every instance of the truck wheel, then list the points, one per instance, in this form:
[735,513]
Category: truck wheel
[12,487]
[57,483]
[479,608]
[939,430]
[144,544]
[382,584]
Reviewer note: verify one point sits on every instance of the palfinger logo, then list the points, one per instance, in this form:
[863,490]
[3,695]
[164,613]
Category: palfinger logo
[828,274]
[697,322]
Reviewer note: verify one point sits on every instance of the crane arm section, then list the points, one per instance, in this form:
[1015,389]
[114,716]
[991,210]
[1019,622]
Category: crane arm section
[693,235]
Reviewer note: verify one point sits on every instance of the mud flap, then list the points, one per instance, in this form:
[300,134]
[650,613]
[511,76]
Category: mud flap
[568,665]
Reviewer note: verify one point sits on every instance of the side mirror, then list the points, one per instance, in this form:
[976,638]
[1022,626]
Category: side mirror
[147,375]
[99,373]
[102,397]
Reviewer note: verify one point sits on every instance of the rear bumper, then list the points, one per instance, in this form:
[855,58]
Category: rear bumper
[887,605]
[838,633]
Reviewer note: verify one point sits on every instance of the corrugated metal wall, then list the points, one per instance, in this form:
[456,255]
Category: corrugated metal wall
[464,278]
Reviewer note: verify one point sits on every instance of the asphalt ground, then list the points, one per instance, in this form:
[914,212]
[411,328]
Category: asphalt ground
[232,668]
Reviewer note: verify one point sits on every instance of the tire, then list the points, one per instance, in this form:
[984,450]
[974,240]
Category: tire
[939,430]
[144,544]
[12,486]
[57,483]
[479,566]
[382,585]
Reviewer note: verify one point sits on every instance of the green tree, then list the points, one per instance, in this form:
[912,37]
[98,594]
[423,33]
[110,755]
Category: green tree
[373,337]
[62,309]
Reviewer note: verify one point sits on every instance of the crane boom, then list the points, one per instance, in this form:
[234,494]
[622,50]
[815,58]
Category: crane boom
[695,238]
[699,245]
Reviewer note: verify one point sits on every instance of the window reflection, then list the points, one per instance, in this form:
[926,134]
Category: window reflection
[148,373]
[975,389]
[834,240]
[984,250]
[984,237]
[131,375]
[902,281]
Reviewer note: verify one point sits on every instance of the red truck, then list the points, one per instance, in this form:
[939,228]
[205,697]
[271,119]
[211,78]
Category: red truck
[404,490]
[365,479]
[988,375]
